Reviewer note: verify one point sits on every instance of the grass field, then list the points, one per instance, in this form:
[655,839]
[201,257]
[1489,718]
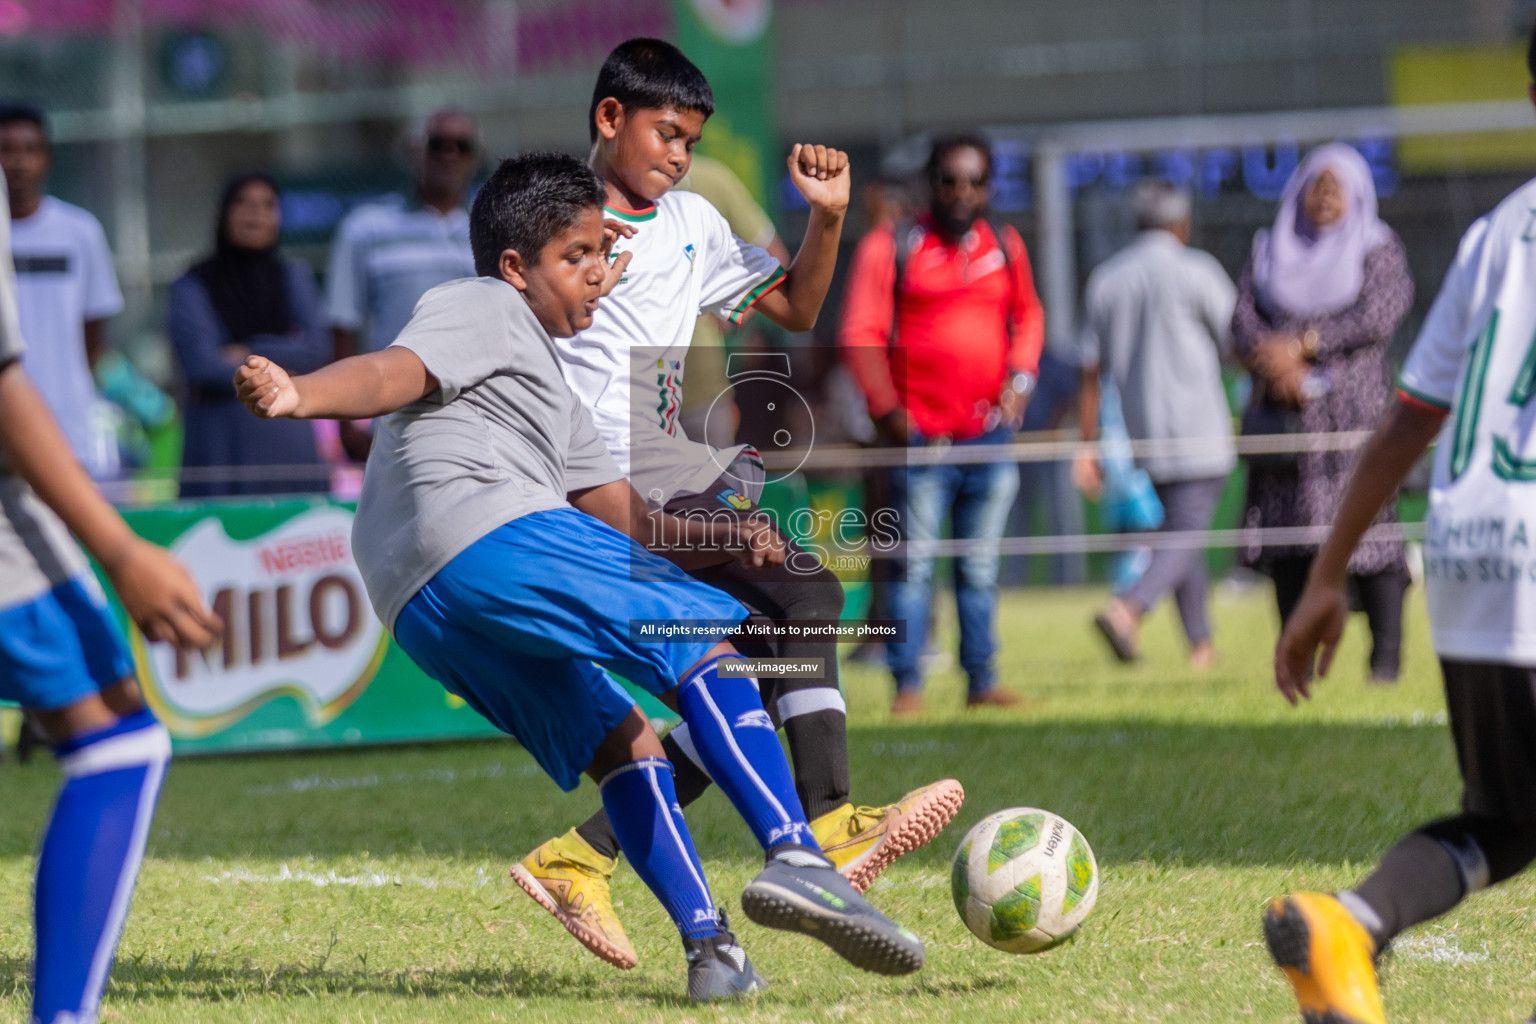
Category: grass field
[371,886]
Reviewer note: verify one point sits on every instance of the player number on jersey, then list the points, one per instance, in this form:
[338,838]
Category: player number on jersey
[1506,463]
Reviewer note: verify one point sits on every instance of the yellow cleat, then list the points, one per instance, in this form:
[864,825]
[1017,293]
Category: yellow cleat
[569,879]
[862,841]
[1327,956]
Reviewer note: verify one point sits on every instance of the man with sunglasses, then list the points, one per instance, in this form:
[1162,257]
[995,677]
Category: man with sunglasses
[387,254]
[943,330]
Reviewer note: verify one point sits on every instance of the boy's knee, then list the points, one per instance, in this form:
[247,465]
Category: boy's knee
[631,740]
[820,596]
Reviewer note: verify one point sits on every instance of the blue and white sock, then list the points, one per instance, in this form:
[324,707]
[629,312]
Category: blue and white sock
[739,747]
[642,806]
[90,861]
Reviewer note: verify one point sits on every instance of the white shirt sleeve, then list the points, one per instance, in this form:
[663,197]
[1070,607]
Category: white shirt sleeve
[736,273]
[1433,369]
[102,297]
[346,290]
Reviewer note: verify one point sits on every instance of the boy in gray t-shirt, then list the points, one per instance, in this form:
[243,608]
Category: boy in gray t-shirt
[494,534]
[64,660]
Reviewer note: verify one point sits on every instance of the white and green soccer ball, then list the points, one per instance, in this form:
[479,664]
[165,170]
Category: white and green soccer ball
[1024,880]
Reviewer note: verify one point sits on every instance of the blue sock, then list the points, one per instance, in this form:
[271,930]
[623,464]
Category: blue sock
[740,749]
[90,861]
[642,805]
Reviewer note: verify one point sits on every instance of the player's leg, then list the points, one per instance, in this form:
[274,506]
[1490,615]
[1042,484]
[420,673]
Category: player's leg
[815,720]
[982,501]
[1327,944]
[63,658]
[483,645]
[861,840]
[635,781]
[578,602]
[799,889]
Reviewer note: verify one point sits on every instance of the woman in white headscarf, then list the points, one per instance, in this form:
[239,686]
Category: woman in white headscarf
[1318,302]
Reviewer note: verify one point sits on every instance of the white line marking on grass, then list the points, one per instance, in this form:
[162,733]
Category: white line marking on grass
[1436,949]
[371,880]
[1417,719]
[310,783]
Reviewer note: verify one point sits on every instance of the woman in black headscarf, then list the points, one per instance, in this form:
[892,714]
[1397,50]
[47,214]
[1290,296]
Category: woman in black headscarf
[245,299]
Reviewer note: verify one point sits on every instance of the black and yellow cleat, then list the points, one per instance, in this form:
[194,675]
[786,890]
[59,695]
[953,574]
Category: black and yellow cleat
[1327,956]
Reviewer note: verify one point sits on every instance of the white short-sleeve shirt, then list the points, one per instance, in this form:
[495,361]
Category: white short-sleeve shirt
[36,552]
[64,277]
[1476,358]
[628,366]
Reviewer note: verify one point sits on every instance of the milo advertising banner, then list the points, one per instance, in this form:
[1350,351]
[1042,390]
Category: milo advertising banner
[732,43]
[303,661]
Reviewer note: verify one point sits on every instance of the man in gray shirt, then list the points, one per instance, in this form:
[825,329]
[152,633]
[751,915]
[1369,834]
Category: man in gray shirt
[1156,320]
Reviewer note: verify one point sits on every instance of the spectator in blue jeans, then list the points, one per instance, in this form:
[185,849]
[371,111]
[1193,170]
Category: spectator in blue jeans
[976,497]
[942,330]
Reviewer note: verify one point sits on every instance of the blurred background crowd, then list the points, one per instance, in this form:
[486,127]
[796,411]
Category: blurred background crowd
[1219,218]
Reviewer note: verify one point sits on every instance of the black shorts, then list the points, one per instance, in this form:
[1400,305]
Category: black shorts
[1492,711]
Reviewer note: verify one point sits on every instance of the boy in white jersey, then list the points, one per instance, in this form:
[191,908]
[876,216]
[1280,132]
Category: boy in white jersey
[648,111]
[1472,371]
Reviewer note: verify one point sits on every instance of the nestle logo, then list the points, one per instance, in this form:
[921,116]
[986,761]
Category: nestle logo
[317,552]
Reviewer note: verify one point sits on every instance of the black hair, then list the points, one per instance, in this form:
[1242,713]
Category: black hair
[23,113]
[947,144]
[527,201]
[1530,55]
[650,74]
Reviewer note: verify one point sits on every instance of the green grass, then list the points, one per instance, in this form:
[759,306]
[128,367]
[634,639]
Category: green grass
[1202,793]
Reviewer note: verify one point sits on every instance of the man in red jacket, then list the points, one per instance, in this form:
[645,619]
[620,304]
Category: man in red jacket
[943,330]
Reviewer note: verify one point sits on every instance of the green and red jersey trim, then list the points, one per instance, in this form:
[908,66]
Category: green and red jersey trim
[1420,400]
[633,216]
[750,299]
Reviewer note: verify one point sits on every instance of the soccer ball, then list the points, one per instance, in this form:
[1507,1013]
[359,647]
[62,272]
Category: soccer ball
[1023,880]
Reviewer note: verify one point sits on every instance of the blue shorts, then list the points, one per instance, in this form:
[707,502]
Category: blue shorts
[514,623]
[61,647]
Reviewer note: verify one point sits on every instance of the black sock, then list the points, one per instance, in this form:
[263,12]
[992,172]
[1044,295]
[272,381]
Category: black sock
[689,779]
[1417,880]
[1430,871]
[818,747]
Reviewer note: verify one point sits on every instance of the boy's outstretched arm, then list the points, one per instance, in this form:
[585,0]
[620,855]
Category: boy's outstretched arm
[689,543]
[822,176]
[1312,633]
[158,594]
[355,388]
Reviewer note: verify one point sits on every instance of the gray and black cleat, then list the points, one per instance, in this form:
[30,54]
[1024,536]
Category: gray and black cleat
[719,969]
[800,891]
